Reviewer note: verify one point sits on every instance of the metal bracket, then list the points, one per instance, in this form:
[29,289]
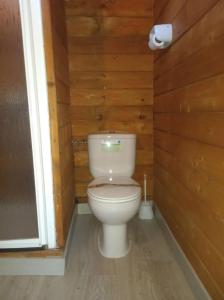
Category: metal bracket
[79,142]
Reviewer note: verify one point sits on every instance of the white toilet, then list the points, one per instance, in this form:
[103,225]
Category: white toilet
[114,197]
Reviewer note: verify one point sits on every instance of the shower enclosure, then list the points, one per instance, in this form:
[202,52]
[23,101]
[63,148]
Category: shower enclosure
[26,196]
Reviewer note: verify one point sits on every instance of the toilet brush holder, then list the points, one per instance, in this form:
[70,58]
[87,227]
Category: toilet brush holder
[146,210]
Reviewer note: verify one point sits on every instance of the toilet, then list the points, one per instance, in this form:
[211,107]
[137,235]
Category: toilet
[113,196]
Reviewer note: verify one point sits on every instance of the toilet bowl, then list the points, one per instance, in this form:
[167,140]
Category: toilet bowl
[113,196]
[114,205]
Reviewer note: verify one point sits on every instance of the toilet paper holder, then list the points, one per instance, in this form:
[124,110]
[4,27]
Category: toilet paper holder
[160,36]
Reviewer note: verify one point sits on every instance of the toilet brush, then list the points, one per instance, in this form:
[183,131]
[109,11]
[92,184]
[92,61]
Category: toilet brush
[145,211]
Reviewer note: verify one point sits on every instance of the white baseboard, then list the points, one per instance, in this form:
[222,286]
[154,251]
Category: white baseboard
[191,276]
[43,266]
[69,237]
[84,209]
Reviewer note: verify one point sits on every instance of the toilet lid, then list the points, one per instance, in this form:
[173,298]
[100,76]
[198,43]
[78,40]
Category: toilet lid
[114,188]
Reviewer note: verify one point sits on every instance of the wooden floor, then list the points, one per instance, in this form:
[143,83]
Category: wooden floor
[149,272]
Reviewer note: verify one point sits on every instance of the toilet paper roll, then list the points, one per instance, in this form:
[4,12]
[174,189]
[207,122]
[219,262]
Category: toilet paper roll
[153,43]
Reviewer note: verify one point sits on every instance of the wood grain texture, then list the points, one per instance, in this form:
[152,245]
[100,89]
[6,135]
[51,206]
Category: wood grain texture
[132,8]
[82,128]
[142,275]
[33,253]
[189,124]
[210,28]
[183,15]
[108,26]
[111,97]
[133,44]
[55,41]
[160,193]
[158,8]
[122,62]
[111,78]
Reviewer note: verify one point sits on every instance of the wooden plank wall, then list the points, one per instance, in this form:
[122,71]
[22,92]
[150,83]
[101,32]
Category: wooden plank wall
[189,130]
[111,77]
[59,105]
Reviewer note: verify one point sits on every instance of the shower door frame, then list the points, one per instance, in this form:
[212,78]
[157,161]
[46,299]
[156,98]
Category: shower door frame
[37,93]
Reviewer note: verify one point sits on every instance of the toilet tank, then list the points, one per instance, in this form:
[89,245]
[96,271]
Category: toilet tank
[112,154]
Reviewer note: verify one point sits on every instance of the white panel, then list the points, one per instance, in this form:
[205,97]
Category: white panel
[32,31]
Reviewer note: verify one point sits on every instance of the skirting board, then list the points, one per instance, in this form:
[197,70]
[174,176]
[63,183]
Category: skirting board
[192,278]
[83,209]
[42,266]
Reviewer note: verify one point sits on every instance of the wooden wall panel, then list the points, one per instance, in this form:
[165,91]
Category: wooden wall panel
[109,26]
[111,75]
[183,15]
[111,80]
[133,44]
[109,62]
[59,105]
[138,8]
[115,97]
[189,126]
[170,212]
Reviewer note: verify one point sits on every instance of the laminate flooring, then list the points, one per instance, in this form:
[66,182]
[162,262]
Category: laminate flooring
[149,272]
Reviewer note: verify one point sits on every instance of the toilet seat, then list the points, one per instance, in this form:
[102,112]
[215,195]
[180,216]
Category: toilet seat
[111,192]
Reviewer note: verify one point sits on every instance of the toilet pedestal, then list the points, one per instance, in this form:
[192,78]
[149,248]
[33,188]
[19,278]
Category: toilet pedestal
[113,241]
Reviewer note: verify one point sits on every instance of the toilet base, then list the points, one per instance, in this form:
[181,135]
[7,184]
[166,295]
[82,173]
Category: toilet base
[113,241]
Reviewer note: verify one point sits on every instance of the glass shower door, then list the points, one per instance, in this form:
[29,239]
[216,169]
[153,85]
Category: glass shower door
[18,206]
